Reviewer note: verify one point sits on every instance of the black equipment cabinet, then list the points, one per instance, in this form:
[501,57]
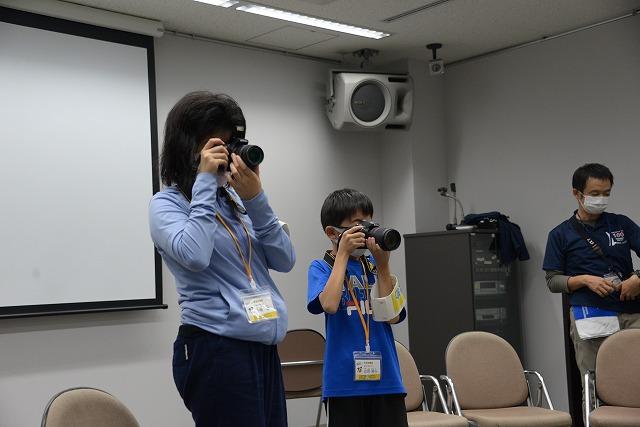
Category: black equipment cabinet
[455,283]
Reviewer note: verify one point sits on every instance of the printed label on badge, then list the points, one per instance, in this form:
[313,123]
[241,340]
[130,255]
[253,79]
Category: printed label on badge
[367,366]
[258,306]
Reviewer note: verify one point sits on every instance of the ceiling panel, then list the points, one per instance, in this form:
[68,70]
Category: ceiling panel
[465,27]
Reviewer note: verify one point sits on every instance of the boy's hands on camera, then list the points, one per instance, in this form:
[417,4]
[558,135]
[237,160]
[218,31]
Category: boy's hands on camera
[245,181]
[380,255]
[351,240]
[213,156]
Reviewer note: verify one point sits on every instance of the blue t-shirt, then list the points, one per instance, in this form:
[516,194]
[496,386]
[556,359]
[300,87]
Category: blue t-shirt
[568,252]
[345,335]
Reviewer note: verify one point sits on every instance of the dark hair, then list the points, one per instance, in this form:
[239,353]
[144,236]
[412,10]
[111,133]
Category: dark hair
[590,170]
[342,204]
[192,121]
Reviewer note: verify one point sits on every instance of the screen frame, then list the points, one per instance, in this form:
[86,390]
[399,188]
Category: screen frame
[42,22]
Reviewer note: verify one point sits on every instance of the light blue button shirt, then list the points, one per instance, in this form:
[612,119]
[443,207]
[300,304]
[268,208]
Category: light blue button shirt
[208,270]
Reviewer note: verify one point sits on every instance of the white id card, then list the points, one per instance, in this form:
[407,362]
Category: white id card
[614,279]
[367,366]
[258,305]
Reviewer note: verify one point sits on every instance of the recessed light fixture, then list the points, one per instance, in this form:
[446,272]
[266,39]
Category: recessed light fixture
[221,3]
[311,21]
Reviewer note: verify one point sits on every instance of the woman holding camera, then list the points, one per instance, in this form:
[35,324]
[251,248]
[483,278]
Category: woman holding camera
[217,234]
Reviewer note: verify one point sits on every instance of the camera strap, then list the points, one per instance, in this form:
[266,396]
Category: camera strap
[595,247]
[368,266]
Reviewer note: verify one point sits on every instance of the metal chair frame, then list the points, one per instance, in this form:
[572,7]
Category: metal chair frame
[454,404]
[591,401]
[307,363]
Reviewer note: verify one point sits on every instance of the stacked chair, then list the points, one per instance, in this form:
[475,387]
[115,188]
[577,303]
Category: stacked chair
[616,400]
[87,407]
[302,358]
[487,385]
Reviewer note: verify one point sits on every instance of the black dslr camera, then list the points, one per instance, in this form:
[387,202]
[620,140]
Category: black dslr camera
[387,238]
[252,155]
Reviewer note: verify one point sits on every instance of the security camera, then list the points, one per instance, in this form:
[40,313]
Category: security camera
[436,67]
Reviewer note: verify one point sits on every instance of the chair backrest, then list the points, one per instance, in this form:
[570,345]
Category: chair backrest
[618,369]
[486,371]
[410,378]
[87,407]
[302,345]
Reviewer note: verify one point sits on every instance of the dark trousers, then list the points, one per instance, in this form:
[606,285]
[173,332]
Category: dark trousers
[226,382]
[386,410]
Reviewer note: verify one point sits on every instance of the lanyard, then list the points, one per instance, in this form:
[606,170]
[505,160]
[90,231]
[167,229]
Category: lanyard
[365,325]
[329,259]
[247,264]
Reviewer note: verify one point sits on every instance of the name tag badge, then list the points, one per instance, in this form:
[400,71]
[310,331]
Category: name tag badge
[258,305]
[367,366]
[613,278]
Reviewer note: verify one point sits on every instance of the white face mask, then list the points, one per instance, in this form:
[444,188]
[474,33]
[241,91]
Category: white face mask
[358,253]
[595,205]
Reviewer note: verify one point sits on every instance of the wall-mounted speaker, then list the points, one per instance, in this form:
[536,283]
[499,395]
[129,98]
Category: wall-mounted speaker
[359,101]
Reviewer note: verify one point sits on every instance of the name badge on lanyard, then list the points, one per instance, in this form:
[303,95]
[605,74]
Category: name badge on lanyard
[614,279]
[367,365]
[258,303]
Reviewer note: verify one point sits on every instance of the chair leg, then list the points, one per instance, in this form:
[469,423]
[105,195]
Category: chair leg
[319,412]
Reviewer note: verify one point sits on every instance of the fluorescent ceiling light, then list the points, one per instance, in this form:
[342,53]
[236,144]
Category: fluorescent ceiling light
[311,21]
[223,3]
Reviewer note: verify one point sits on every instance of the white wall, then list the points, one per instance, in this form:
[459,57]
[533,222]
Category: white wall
[519,124]
[129,353]
[413,166]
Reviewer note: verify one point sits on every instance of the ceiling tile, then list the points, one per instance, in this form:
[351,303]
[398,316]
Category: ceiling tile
[291,38]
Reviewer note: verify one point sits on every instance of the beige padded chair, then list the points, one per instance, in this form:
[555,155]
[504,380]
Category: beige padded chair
[301,357]
[617,401]
[418,414]
[487,385]
[86,407]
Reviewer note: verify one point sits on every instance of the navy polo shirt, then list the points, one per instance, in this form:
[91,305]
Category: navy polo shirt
[568,252]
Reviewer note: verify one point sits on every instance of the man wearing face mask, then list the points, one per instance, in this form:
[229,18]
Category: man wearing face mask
[588,256]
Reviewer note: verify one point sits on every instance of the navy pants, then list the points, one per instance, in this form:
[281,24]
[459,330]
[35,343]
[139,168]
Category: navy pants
[386,410]
[226,382]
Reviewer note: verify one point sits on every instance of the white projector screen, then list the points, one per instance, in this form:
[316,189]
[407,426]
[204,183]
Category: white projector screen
[78,147]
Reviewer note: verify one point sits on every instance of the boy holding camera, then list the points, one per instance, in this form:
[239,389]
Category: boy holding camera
[362,383]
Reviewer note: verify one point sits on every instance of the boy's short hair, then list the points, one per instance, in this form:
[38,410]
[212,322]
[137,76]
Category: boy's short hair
[342,204]
[590,170]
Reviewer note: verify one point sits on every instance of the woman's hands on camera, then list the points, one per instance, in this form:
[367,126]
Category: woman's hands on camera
[245,181]
[213,157]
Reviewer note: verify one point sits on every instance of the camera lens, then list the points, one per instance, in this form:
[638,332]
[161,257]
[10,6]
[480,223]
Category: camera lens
[391,239]
[387,238]
[252,155]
